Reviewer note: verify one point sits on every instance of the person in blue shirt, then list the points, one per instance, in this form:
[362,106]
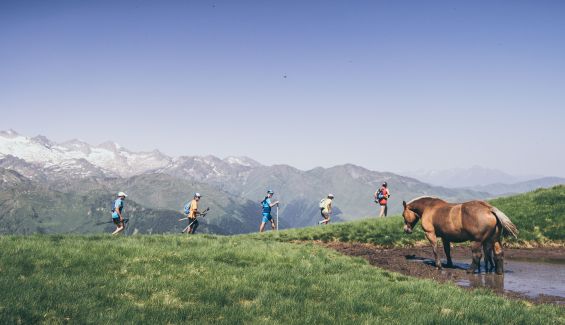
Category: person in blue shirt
[117,213]
[267,205]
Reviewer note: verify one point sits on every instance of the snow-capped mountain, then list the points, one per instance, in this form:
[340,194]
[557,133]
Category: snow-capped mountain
[211,169]
[35,156]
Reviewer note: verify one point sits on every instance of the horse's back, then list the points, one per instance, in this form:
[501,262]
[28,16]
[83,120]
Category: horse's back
[471,220]
[478,219]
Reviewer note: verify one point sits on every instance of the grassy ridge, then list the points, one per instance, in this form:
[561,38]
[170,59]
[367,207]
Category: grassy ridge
[383,231]
[235,280]
[539,215]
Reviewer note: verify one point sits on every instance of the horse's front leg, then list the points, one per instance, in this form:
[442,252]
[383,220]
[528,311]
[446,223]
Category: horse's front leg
[433,240]
[447,250]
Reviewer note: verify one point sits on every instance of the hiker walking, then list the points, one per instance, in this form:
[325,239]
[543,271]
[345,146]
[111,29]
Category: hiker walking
[326,209]
[193,214]
[117,213]
[267,206]
[381,198]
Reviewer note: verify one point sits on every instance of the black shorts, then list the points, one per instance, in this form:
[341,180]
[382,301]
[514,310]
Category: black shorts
[194,223]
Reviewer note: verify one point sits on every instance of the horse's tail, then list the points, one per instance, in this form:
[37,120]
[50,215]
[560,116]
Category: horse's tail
[505,222]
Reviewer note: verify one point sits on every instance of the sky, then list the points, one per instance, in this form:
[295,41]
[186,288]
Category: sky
[388,85]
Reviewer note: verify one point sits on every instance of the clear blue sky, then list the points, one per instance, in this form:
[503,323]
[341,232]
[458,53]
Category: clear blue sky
[390,85]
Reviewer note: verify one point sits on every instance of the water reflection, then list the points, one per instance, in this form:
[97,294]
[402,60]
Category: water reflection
[493,281]
[530,277]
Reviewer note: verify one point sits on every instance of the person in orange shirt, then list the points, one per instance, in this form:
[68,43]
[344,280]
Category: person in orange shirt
[381,198]
[193,214]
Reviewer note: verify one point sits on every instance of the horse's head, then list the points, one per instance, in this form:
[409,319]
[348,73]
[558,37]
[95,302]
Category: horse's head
[410,218]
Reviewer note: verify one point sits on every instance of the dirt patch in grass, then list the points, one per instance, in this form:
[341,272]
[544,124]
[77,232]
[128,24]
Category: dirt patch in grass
[418,262]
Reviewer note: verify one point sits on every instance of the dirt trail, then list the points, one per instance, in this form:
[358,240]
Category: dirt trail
[417,262]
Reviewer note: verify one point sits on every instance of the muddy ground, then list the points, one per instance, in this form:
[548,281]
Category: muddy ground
[418,262]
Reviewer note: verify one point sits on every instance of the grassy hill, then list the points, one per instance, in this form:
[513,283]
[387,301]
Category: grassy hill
[171,279]
[258,278]
[539,215]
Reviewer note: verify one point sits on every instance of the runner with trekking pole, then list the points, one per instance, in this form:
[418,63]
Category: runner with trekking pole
[267,206]
[191,209]
[326,209]
[117,213]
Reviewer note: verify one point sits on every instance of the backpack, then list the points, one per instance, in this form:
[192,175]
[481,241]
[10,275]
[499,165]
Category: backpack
[113,209]
[323,203]
[380,194]
[187,207]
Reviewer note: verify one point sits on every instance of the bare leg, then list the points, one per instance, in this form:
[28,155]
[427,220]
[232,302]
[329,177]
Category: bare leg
[477,255]
[119,227]
[433,240]
[382,213]
[262,227]
[326,217]
[447,250]
[273,225]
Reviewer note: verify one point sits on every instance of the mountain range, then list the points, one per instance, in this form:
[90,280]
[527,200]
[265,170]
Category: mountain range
[466,177]
[68,187]
[493,181]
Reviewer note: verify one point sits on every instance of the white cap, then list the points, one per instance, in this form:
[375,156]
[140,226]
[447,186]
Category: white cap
[197,194]
[331,195]
[122,194]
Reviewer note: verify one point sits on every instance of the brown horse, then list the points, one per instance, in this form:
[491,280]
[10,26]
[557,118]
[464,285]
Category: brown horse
[475,221]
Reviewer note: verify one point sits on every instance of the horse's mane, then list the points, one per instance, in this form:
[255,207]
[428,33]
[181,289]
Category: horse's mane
[423,197]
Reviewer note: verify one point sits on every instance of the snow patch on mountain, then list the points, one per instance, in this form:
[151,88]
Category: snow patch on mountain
[108,158]
[81,159]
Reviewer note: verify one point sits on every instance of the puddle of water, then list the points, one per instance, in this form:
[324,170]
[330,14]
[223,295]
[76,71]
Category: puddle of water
[529,277]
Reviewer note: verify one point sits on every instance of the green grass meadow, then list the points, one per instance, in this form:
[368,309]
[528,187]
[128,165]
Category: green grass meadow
[199,279]
[256,278]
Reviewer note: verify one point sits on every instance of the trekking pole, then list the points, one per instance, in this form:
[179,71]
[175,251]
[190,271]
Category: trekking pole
[278,217]
[187,227]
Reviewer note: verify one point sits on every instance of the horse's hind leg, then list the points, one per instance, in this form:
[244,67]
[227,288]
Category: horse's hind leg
[447,250]
[498,257]
[487,251]
[477,255]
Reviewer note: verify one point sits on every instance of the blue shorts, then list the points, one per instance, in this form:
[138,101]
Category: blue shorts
[116,218]
[267,217]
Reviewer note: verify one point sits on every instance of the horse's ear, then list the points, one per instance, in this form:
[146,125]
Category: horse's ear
[404,204]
